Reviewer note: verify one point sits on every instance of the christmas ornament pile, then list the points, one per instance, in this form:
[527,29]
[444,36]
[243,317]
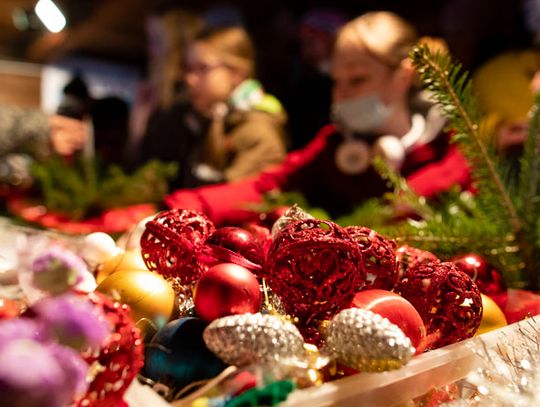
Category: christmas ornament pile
[262,295]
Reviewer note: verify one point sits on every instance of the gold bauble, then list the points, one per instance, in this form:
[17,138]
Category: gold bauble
[492,316]
[128,260]
[149,296]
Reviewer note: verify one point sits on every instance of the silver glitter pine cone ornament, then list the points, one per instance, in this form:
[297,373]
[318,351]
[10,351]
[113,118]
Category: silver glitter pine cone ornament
[366,341]
[253,338]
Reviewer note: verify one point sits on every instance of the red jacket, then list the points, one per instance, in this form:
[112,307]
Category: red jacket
[429,169]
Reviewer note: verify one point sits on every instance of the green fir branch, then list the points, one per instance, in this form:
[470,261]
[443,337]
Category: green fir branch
[452,91]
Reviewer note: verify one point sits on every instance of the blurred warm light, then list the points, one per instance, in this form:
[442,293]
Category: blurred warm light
[50,15]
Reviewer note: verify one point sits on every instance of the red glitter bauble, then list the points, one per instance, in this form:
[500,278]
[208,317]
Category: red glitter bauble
[171,242]
[235,245]
[486,277]
[120,357]
[411,257]
[397,310]
[313,267]
[226,289]
[378,257]
[446,298]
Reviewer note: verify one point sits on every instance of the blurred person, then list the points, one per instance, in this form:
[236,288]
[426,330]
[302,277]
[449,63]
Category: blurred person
[310,94]
[162,123]
[376,111]
[27,135]
[246,132]
[503,87]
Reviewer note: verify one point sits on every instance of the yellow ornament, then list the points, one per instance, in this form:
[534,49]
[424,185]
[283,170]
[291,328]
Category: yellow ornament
[492,316]
[125,260]
[149,296]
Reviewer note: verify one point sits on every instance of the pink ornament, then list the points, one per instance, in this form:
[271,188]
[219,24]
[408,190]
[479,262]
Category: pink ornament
[448,301]
[226,289]
[378,257]
[171,242]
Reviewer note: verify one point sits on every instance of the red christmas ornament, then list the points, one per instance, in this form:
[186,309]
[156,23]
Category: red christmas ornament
[226,289]
[262,236]
[397,310]
[378,257]
[313,267]
[8,308]
[235,245]
[411,257]
[486,277]
[171,242]
[446,298]
[120,357]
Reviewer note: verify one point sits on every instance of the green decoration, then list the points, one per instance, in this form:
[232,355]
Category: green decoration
[82,188]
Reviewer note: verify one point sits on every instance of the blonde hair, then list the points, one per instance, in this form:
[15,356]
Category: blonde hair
[383,34]
[233,46]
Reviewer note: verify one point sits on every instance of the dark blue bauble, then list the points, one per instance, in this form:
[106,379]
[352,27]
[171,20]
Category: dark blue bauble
[178,356]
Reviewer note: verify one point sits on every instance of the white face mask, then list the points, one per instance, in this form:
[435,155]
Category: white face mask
[361,114]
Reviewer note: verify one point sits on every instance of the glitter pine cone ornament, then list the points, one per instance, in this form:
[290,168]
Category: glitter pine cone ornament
[366,341]
[119,359]
[171,243]
[313,267]
[253,338]
[447,299]
[378,257]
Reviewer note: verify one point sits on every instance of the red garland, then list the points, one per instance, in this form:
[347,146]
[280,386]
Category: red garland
[120,356]
[446,298]
[313,266]
[378,257]
[171,243]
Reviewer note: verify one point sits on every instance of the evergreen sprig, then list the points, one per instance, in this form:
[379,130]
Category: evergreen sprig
[452,91]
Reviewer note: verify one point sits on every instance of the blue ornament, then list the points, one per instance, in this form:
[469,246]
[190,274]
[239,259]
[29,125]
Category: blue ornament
[178,356]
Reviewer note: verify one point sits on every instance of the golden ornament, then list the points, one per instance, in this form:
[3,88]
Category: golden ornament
[149,296]
[125,260]
[492,316]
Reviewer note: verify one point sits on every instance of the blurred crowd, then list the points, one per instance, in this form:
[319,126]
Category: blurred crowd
[343,91]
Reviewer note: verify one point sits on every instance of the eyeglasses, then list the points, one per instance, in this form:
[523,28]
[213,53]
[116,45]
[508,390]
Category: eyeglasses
[202,68]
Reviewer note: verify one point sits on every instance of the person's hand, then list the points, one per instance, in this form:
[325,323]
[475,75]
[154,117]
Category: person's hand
[67,135]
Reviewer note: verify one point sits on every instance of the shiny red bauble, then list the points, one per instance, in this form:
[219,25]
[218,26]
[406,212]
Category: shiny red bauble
[226,289]
[446,298]
[397,310]
[172,241]
[378,257]
[240,247]
[486,277]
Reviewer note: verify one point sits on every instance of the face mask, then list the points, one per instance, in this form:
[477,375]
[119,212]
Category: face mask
[361,114]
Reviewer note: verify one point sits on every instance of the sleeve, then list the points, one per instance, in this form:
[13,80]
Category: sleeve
[231,203]
[258,144]
[23,131]
[437,177]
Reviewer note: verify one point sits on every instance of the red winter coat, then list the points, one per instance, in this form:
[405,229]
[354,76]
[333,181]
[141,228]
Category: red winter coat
[429,168]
